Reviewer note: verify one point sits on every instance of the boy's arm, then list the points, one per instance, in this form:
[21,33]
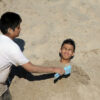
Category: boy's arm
[41,69]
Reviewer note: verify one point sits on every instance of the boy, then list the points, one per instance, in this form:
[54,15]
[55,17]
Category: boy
[66,54]
[10,53]
[67,51]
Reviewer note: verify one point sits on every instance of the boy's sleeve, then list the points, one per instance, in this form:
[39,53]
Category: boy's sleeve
[16,56]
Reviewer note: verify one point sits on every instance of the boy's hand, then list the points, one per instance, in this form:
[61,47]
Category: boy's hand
[60,71]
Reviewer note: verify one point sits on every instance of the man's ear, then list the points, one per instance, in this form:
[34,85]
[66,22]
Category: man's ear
[10,30]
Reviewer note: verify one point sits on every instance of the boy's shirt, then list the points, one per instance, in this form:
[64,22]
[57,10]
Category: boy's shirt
[10,53]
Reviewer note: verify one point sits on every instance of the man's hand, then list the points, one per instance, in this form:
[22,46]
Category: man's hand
[60,71]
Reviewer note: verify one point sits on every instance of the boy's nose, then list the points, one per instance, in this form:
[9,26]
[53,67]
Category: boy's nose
[66,50]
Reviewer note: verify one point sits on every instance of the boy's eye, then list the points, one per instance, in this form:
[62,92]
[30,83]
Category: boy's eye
[67,49]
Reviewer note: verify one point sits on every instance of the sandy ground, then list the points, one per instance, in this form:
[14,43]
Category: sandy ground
[46,23]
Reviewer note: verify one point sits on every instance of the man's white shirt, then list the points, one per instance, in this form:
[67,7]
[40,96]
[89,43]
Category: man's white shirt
[10,53]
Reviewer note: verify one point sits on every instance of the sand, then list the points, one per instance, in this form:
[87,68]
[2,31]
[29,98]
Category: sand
[46,23]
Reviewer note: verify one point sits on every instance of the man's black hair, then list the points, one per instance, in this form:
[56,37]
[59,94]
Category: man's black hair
[71,42]
[9,20]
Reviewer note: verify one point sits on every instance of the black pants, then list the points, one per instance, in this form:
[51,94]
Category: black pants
[6,96]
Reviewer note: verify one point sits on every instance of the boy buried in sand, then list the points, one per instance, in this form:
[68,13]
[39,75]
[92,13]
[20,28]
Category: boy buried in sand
[66,54]
[10,53]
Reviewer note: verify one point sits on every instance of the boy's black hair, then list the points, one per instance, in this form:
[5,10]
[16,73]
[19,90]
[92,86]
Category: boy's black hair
[9,20]
[71,42]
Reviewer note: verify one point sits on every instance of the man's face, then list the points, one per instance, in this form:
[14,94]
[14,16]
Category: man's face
[67,51]
[14,33]
[17,31]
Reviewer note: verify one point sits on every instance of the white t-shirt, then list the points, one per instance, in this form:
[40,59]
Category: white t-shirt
[10,53]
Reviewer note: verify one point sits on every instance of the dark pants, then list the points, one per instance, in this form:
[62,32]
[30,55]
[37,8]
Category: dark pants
[6,96]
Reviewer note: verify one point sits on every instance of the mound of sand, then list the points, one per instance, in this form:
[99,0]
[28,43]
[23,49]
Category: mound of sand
[43,87]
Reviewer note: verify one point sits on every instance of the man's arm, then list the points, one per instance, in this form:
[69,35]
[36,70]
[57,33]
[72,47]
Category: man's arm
[41,69]
[17,58]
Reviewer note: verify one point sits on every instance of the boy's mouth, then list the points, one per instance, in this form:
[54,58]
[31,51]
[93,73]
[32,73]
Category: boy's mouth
[66,54]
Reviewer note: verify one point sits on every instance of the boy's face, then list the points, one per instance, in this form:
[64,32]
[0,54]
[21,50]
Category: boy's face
[14,33]
[67,51]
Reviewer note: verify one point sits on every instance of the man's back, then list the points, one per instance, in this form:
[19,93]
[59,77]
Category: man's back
[10,54]
[4,58]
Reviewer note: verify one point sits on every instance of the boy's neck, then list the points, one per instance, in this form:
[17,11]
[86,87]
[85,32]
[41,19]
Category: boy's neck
[64,61]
